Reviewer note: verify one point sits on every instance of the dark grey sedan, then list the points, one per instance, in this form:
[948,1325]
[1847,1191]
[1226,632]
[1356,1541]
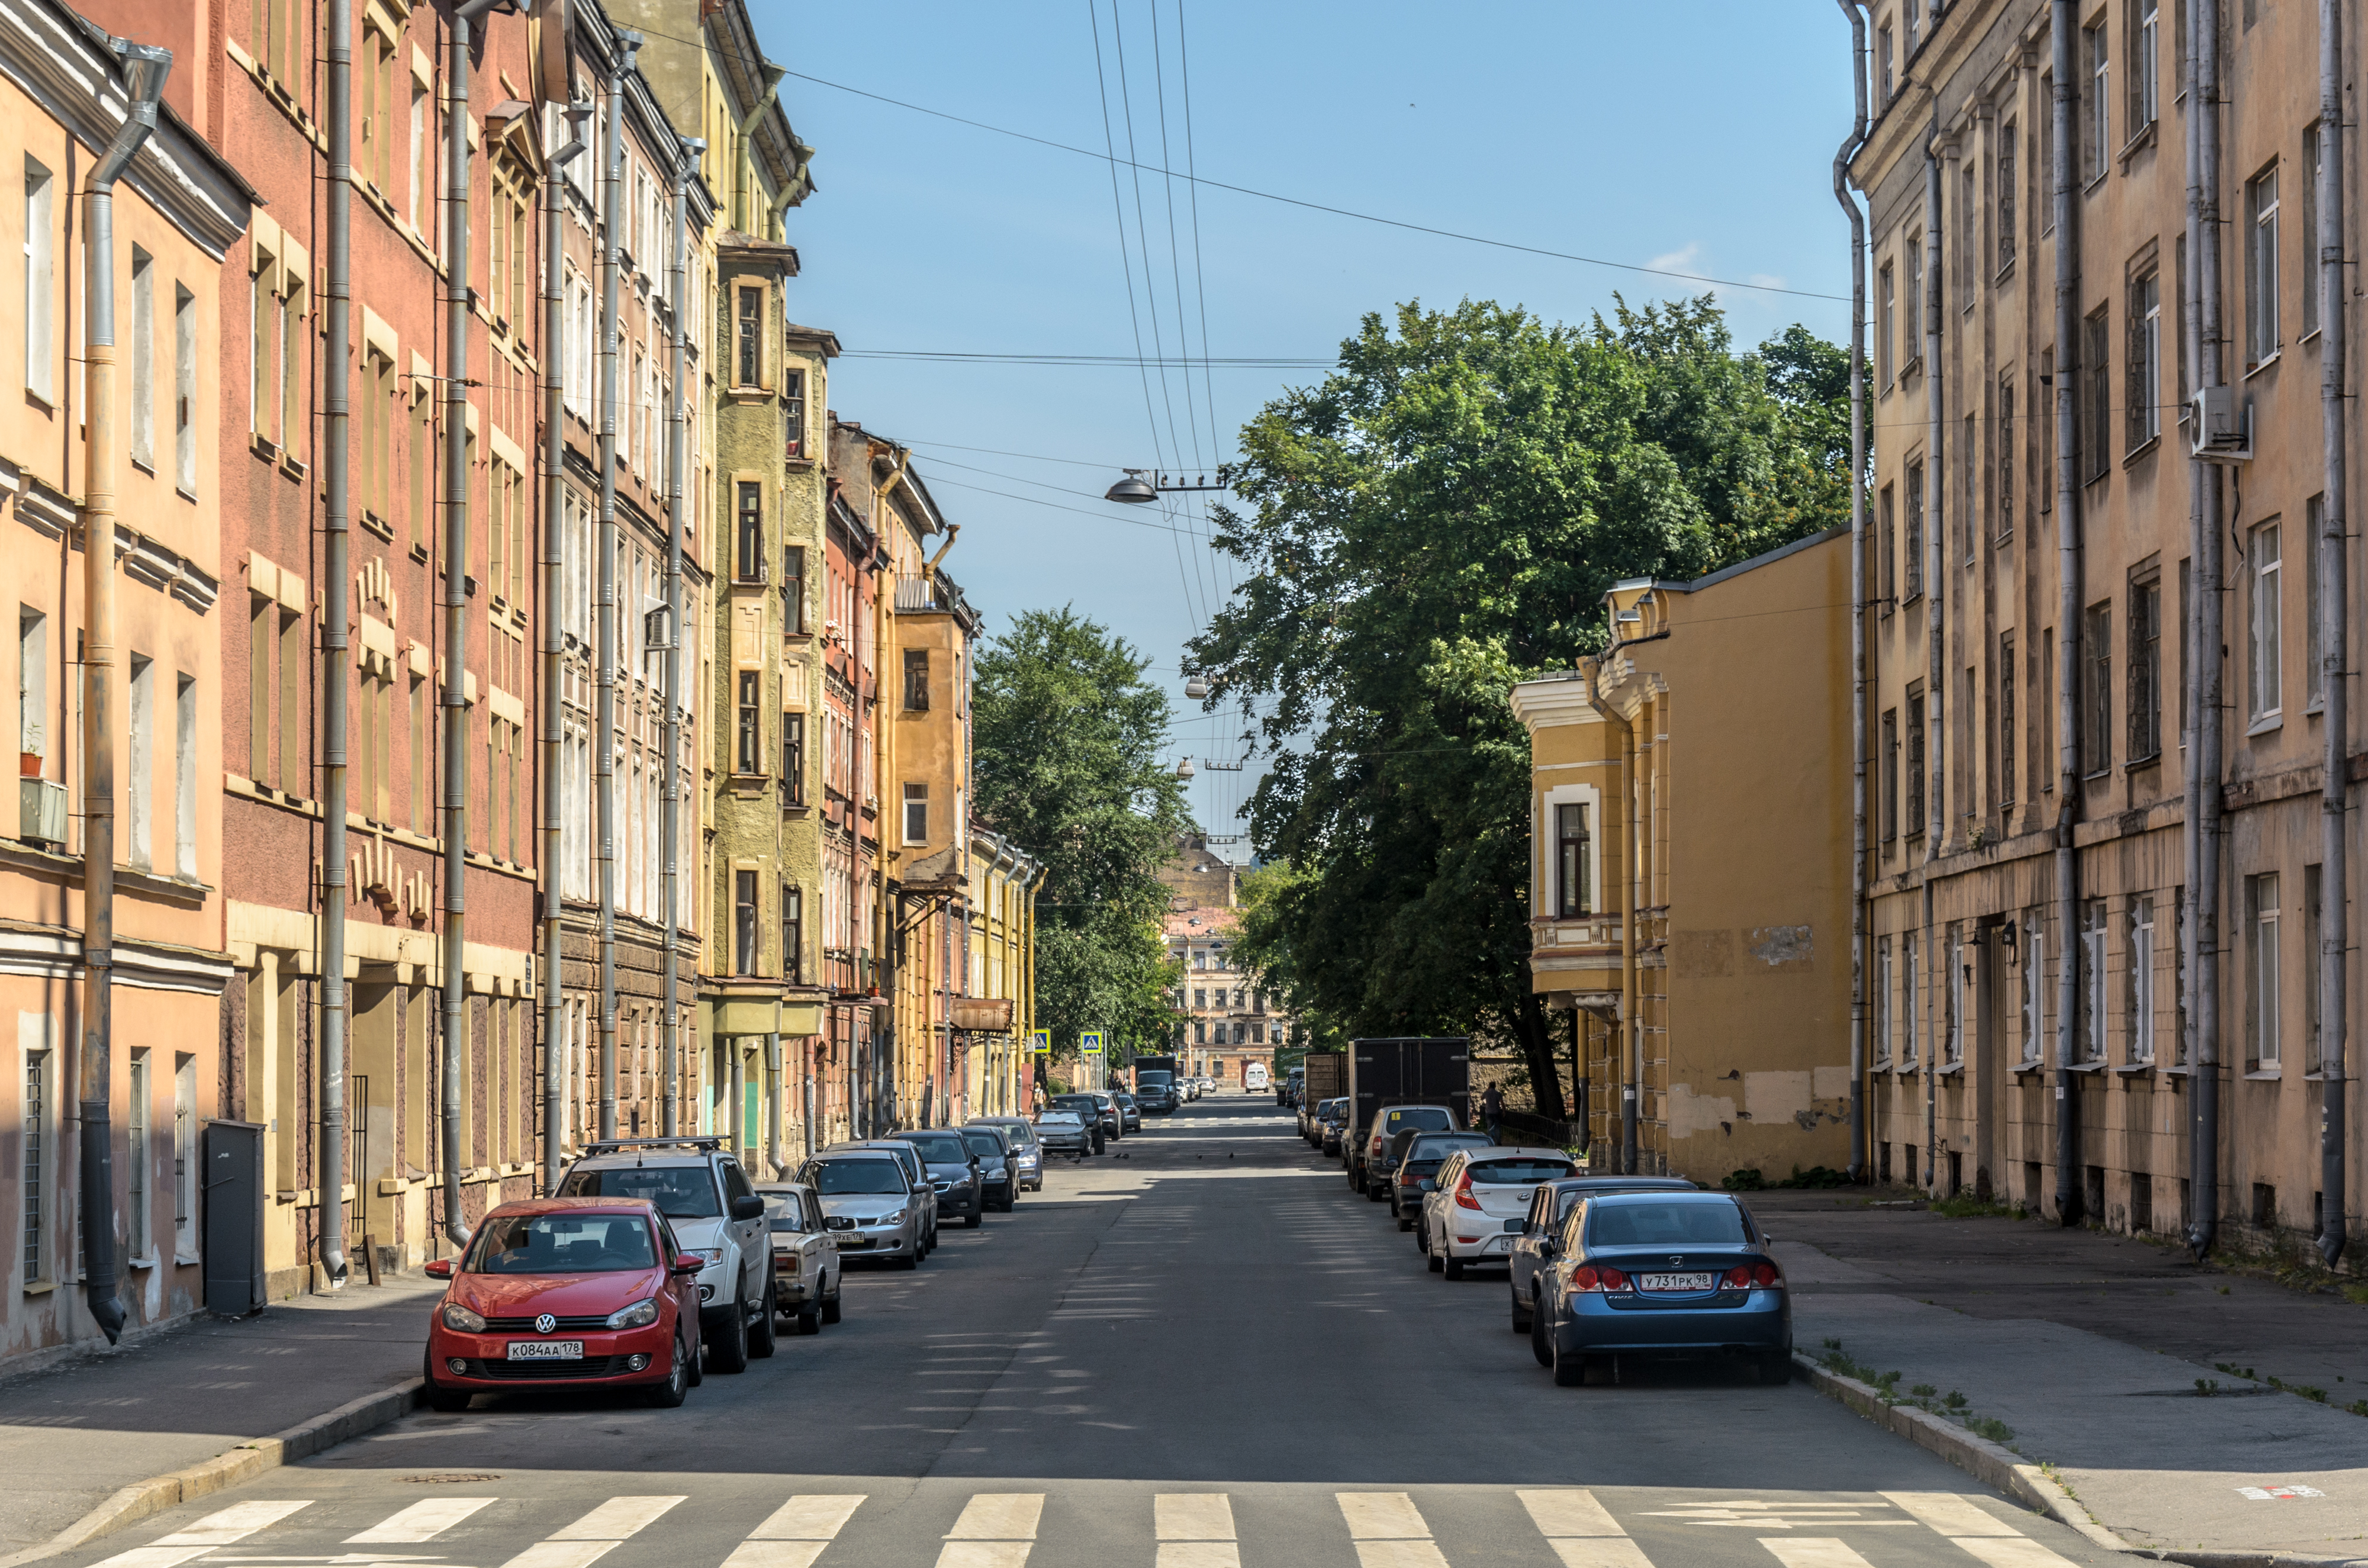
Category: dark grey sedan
[953,1171]
[998,1165]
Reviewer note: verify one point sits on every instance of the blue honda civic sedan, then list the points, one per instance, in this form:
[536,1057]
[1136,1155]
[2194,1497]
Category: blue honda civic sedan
[1661,1274]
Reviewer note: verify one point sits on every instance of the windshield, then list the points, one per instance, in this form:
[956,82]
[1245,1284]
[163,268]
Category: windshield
[943,1149]
[1664,1224]
[985,1145]
[563,1243]
[1020,1132]
[1505,1171]
[1084,1105]
[784,1211]
[1434,1147]
[1429,1118]
[1059,1121]
[1152,1078]
[680,1192]
[836,1178]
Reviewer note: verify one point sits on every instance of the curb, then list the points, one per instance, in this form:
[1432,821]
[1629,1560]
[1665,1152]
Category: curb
[2009,1472]
[241,1463]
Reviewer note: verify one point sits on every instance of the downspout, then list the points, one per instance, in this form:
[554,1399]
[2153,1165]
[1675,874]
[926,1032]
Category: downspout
[144,68]
[2068,1193]
[604,724]
[670,809]
[456,617]
[1626,1055]
[1936,678]
[1854,10]
[774,1087]
[2207,659]
[555,588]
[773,76]
[336,659]
[2334,621]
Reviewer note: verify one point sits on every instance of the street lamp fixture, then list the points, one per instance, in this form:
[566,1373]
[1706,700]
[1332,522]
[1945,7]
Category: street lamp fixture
[1143,485]
[1184,770]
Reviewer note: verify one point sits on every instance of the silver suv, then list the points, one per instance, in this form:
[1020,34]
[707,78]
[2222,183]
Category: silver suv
[706,1197]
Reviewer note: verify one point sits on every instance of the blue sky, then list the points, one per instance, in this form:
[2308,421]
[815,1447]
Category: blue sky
[1698,138]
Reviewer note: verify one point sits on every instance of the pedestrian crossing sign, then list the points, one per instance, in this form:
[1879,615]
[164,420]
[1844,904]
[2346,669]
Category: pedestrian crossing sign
[1093,1043]
[1040,1041]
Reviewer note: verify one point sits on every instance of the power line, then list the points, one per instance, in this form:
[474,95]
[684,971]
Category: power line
[1105,361]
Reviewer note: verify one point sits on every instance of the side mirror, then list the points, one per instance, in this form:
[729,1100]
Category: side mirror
[748,1206]
[1545,1246]
[687,1263]
[440,1268]
[1429,1186]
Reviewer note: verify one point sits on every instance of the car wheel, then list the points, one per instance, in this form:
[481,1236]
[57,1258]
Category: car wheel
[830,1305]
[977,1215]
[1405,1220]
[436,1397]
[810,1321]
[1378,1191]
[1520,1314]
[909,1262]
[1454,1268]
[669,1394]
[1422,1239]
[760,1328]
[728,1351]
[1569,1368]
[1776,1367]
[1537,1339]
[1433,1258]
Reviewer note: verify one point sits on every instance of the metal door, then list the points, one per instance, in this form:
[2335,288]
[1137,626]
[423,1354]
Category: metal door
[232,1216]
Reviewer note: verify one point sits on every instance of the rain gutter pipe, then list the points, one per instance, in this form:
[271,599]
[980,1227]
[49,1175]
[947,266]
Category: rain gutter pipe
[336,657]
[2068,1188]
[2334,623]
[670,809]
[1855,11]
[604,721]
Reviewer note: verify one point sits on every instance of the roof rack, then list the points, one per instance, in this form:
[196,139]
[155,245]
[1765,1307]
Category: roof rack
[605,1145]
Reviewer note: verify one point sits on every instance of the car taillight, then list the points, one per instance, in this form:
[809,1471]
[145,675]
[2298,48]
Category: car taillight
[1593,1277]
[1738,1277]
[1463,1198]
[1748,1276]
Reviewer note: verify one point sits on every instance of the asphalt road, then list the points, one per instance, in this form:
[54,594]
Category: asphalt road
[1197,1351]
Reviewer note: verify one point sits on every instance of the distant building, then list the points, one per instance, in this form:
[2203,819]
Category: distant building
[1224,1019]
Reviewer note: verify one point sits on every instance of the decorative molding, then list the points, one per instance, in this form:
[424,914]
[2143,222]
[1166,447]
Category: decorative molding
[55,953]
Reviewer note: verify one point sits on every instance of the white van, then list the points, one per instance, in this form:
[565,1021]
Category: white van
[1253,1077]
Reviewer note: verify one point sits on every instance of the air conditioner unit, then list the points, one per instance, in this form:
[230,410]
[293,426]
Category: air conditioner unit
[41,811]
[2223,429]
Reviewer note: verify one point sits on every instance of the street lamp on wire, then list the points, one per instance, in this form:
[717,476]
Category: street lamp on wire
[1142,485]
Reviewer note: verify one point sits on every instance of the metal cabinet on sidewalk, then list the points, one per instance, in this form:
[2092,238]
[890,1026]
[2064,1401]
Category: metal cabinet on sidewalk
[233,1218]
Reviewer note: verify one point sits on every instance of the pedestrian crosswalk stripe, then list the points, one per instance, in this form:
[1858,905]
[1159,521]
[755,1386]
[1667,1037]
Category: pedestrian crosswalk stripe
[229,1525]
[616,1519]
[1195,1530]
[1810,1551]
[561,1554]
[983,1553]
[1388,1530]
[996,1530]
[2012,1552]
[154,1557]
[421,1521]
[1951,1512]
[1581,1530]
[796,1532]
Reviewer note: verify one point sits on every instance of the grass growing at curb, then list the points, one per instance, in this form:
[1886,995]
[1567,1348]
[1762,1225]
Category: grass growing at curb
[1950,1406]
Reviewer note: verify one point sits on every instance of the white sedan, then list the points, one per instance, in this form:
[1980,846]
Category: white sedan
[1475,1206]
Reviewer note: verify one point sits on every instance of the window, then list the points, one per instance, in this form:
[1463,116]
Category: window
[2046,163]
[2035,988]
[2262,267]
[916,680]
[2262,970]
[2312,1062]
[1890,774]
[185,1158]
[2091,1041]
[793,935]
[425,469]
[793,414]
[32,682]
[184,778]
[2145,80]
[2047,479]
[1914,824]
[750,759]
[1912,548]
[2008,173]
[2138,990]
[2146,670]
[2006,456]
[2097,690]
[2097,127]
[1883,77]
[1574,846]
[793,758]
[1886,1015]
[2178,287]
[1887,324]
[140,1157]
[2096,382]
[140,783]
[1889,565]
[40,285]
[748,565]
[1952,1038]
[793,588]
[2007,782]
[2047,698]
[1911,348]
[2178,972]
[185,389]
[2314,515]
[1911,996]
[2144,413]
[2264,624]
[1969,240]
[34,1140]
[744,922]
[748,365]
[916,813]
[1970,461]
[143,359]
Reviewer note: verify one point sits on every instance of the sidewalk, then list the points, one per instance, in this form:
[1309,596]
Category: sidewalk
[73,1434]
[2090,1348]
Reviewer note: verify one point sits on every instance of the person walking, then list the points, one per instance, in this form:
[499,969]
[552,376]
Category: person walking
[1492,1112]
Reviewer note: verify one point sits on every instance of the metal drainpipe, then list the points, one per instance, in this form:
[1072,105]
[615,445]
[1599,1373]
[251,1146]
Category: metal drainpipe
[144,68]
[2206,655]
[2068,1193]
[1630,1047]
[337,663]
[455,1052]
[2334,624]
[1855,11]
[556,1054]
[604,724]
[774,1087]
[670,809]
[1936,619]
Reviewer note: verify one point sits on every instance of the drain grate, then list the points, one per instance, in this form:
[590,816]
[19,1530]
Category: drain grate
[452,1479]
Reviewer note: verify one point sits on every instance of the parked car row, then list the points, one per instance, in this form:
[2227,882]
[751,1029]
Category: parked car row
[657,1259]
[1597,1268]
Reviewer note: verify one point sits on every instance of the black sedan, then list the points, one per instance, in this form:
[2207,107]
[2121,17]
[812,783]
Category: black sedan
[1063,1133]
[953,1171]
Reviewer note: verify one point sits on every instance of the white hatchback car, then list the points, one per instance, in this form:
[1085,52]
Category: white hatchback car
[1479,1202]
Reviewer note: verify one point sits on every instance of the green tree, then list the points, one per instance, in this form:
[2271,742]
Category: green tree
[1439,518]
[1068,740]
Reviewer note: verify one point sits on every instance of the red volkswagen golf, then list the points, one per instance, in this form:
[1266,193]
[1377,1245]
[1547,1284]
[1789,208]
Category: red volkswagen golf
[566,1292]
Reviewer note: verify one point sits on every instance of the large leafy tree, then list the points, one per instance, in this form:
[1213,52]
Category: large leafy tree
[1439,518]
[1068,737]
